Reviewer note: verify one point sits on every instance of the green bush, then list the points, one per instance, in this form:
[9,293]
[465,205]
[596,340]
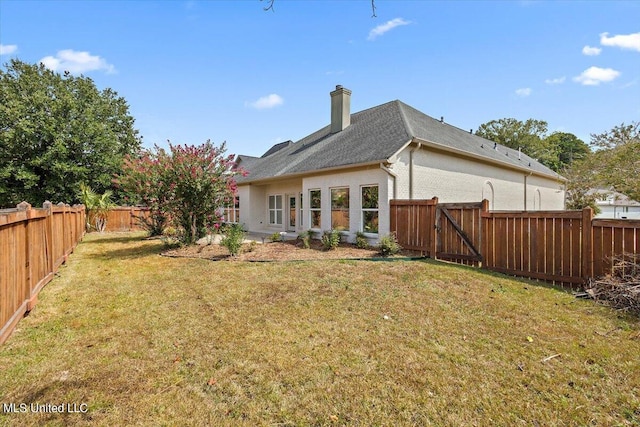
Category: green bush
[388,245]
[275,237]
[361,240]
[305,237]
[233,238]
[330,239]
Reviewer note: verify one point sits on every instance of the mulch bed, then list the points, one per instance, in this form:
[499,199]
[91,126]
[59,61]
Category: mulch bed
[291,250]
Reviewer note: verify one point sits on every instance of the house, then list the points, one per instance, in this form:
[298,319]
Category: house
[615,205]
[344,175]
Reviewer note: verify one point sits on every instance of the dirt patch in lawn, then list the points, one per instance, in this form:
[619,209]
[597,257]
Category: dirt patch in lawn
[291,250]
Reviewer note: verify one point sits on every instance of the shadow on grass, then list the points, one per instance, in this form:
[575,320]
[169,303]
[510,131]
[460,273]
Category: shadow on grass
[97,238]
[125,247]
[566,288]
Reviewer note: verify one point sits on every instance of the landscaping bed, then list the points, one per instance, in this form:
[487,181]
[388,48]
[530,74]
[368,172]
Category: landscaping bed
[289,250]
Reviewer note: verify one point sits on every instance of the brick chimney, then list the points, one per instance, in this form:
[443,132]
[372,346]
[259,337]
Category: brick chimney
[340,109]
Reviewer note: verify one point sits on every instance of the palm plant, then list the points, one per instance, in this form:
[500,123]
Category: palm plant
[97,206]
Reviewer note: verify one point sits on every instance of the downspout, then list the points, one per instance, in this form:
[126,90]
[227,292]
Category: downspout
[411,173]
[417,147]
[525,191]
[395,179]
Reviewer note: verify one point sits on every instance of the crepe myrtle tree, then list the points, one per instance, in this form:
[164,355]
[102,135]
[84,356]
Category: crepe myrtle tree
[186,185]
[142,179]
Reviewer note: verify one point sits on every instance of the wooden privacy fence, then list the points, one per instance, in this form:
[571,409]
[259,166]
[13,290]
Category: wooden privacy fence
[33,245]
[127,218]
[564,247]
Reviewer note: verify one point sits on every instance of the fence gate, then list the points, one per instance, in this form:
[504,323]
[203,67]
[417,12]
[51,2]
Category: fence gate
[459,232]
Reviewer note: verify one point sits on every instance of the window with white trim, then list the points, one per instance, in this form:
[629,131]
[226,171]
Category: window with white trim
[370,209]
[231,214]
[275,209]
[315,198]
[340,208]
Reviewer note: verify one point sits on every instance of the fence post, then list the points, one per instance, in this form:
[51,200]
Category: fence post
[48,235]
[587,243]
[27,285]
[434,219]
[484,207]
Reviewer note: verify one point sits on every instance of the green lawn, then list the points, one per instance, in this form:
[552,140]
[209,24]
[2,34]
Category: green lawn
[148,340]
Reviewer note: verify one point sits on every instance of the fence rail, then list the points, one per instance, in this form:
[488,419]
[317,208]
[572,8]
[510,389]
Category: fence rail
[564,247]
[33,245]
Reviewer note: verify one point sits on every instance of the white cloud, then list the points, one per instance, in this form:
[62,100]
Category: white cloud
[556,81]
[593,76]
[8,49]
[76,62]
[591,51]
[523,92]
[623,41]
[265,102]
[388,26]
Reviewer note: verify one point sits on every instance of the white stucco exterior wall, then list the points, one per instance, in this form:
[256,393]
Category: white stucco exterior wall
[458,179]
[254,203]
[253,198]
[354,180]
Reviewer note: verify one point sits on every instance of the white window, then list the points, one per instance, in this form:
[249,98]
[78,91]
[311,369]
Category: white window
[231,214]
[340,208]
[315,198]
[370,209]
[275,209]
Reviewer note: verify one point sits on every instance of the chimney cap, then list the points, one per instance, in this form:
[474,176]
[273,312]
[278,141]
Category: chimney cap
[338,87]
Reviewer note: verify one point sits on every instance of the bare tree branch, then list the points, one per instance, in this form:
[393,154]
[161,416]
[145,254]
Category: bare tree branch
[271,2]
[270,5]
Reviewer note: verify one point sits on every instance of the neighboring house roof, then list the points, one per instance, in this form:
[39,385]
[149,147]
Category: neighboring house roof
[606,197]
[375,135]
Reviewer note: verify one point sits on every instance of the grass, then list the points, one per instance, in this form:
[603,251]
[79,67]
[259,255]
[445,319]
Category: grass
[148,340]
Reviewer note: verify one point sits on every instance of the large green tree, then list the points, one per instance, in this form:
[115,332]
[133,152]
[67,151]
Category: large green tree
[614,164]
[57,131]
[527,136]
[555,151]
[567,148]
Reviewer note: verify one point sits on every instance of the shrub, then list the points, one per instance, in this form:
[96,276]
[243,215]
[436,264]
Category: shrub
[233,238]
[330,239]
[388,245]
[361,240]
[305,238]
[171,238]
[275,237]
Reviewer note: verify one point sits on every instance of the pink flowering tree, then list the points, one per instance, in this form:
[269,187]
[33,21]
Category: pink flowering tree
[142,179]
[186,185]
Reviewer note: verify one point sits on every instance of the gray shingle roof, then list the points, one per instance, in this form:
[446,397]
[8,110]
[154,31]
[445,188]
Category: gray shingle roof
[375,135]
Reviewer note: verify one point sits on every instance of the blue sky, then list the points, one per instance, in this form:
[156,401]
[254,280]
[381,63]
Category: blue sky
[229,71]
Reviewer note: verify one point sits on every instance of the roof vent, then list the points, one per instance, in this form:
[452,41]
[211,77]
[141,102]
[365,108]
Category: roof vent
[340,109]
[495,145]
[441,119]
